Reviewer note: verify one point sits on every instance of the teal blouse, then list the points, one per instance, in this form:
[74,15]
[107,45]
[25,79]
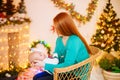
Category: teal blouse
[73,52]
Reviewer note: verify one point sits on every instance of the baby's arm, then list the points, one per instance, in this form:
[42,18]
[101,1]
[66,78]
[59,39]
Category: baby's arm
[53,60]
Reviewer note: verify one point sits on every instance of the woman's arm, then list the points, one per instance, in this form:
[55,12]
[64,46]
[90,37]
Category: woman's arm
[71,54]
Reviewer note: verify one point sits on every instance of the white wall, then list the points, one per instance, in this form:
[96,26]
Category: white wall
[42,12]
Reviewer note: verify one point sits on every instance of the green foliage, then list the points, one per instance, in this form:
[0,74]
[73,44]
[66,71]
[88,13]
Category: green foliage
[21,7]
[110,65]
[2,7]
[10,8]
[116,67]
[105,64]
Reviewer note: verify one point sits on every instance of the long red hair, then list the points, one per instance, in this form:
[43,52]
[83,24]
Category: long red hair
[65,25]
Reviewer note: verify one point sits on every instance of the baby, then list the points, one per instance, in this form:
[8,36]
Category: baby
[44,56]
[38,54]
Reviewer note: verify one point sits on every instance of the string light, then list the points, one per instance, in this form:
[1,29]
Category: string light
[108,28]
[19,51]
[70,7]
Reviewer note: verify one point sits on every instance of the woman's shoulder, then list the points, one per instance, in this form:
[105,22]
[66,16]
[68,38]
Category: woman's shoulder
[74,38]
[71,36]
[58,38]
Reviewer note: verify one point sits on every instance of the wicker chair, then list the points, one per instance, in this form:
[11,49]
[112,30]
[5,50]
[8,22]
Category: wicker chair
[79,71]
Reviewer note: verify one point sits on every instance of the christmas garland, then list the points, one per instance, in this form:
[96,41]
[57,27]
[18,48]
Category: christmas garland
[34,43]
[70,7]
[15,19]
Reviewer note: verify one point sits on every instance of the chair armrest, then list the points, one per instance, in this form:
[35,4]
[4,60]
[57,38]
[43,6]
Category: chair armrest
[61,72]
[92,58]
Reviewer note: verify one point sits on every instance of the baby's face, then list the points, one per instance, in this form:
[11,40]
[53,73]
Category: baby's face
[35,58]
[42,56]
[35,63]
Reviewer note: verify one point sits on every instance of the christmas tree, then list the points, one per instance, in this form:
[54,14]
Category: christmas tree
[1,6]
[2,11]
[10,8]
[21,7]
[107,35]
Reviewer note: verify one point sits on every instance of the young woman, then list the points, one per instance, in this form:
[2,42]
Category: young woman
[71,47]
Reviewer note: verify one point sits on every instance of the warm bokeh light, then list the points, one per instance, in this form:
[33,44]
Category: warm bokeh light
[14,46]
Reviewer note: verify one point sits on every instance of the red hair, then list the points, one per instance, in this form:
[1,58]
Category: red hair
[65,25]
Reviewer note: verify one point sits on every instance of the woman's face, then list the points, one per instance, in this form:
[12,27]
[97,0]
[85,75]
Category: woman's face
[56,30]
